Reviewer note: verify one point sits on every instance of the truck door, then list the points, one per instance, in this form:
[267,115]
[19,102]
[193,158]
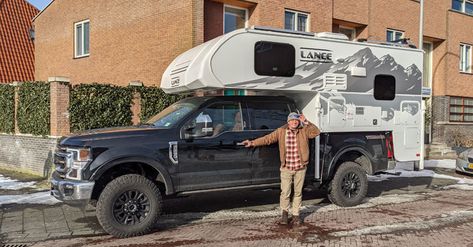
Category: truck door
[209,156]
[265,117]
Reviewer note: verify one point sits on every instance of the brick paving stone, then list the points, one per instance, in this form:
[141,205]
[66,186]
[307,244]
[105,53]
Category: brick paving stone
[438,218]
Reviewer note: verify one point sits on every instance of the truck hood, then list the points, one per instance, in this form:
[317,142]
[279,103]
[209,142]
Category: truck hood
[84,138]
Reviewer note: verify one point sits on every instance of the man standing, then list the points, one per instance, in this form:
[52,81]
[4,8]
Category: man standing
[293,139]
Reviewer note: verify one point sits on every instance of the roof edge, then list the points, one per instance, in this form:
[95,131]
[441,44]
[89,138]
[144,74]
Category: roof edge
[36,16]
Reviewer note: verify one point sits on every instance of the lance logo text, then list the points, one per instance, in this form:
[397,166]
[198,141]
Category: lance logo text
[315,55]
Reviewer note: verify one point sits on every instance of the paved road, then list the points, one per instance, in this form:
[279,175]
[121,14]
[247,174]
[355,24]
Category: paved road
[400,211]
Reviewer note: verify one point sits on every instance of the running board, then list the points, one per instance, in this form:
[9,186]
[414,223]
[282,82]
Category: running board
[232,188]
[389,173]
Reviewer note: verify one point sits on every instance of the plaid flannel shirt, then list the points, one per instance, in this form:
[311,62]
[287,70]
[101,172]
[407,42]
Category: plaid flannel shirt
[293,159]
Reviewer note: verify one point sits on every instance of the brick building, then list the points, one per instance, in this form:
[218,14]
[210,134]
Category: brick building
[16,41]
[118,41]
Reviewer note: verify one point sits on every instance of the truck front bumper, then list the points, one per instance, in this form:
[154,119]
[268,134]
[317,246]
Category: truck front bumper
[72,192]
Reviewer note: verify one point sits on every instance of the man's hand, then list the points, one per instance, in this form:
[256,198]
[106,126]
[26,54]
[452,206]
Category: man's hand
[303,119]
[248,143]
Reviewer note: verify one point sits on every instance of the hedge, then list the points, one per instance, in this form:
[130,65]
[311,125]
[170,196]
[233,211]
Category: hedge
[33,108]
[7,104]
[99,105]
[154,100]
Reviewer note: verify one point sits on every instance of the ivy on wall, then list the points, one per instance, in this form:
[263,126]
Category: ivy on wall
[99,105]
[7,106]
[33,108]
[154,100]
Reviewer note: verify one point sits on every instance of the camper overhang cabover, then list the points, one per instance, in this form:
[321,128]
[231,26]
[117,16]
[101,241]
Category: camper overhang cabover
[343,86]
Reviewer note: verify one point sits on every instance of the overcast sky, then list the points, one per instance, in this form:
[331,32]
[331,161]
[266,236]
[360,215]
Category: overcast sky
[40,4]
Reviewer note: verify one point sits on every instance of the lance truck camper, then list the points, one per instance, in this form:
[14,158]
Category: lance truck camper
[364,97]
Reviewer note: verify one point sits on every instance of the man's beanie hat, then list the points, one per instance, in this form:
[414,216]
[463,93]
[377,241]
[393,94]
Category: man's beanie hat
[292,116]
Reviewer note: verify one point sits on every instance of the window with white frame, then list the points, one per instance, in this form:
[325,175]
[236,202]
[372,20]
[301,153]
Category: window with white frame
[348,31]
[296,21]
[394,35]
[465,6]
[465,58]
[234,18]
[82,38]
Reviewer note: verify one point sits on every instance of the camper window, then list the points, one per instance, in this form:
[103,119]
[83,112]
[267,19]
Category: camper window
[275,59]
[384,87]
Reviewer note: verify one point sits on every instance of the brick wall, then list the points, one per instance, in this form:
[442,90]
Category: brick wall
[444,131]
[129,40]
[27,153]
[439,117]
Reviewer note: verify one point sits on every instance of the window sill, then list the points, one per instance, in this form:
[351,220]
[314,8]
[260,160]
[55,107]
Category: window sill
[466,73]
[460,12]
[83,56]
[454,123]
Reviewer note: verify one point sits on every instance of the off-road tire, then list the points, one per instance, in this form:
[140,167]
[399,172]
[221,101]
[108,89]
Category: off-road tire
[349,185]
[111,206]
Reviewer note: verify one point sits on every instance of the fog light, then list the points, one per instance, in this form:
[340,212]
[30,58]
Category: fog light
[68,189]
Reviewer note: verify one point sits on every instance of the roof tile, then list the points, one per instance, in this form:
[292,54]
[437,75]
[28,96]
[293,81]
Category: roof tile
[16,48]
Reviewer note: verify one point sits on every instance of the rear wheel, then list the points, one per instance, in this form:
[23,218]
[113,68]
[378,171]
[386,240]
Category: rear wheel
[349,185]
[129,206]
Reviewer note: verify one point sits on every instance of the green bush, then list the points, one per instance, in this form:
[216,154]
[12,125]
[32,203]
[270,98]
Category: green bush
[7,104]
[154,100]
[99,105]
[33,108]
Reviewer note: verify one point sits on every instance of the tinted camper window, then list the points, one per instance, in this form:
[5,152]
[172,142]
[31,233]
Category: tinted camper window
[274,59]
[384,87]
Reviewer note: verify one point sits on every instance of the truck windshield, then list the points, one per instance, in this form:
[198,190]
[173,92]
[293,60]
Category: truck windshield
[175,112]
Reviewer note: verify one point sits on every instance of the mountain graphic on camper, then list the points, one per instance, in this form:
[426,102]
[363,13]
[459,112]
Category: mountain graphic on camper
[408,80]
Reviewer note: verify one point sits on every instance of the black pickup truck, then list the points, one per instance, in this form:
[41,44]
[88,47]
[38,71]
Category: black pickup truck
[194,146]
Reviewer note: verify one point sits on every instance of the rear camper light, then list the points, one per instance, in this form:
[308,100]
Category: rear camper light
[389,145]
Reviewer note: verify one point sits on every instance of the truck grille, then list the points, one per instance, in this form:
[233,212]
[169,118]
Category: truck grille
[60,160]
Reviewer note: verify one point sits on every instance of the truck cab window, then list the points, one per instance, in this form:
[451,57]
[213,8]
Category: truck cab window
[175,112]
[384,87]
[214,120]
[275,59]
[268,115]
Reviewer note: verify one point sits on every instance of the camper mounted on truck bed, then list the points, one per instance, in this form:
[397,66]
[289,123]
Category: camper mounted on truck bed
[364,97]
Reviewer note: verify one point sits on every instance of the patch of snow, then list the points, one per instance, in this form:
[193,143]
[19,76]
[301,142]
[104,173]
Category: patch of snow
[7,183]
[440,163]
[34,198]
[459,187]
[405,169]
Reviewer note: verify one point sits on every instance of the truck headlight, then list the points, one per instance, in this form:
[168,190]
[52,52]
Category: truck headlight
[78,159]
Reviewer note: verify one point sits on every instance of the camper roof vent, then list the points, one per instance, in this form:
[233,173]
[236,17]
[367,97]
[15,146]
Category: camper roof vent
[278,30]
[330,35]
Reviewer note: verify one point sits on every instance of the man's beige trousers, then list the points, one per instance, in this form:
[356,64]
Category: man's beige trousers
[288,178]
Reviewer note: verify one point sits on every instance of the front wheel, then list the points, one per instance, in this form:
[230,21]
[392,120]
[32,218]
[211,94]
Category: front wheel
[349,185]
[129,206]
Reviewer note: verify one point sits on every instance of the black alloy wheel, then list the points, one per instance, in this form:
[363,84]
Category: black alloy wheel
[349,185]
[131,208]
